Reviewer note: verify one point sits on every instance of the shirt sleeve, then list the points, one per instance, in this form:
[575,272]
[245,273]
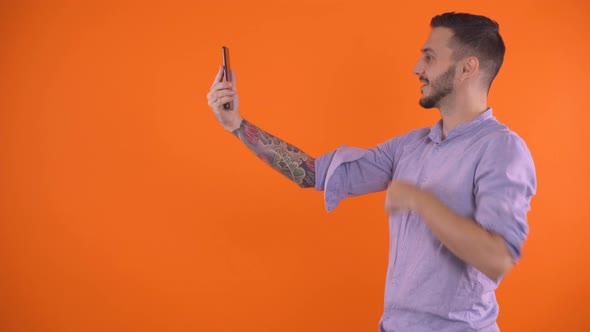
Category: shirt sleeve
[349,171]
[505,181]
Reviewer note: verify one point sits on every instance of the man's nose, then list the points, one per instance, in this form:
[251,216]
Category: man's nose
[419,68]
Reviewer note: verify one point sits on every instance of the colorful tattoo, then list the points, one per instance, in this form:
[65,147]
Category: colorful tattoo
[282,156]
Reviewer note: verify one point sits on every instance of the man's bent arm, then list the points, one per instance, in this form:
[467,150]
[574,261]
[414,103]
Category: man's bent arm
[485,250]
[280,155]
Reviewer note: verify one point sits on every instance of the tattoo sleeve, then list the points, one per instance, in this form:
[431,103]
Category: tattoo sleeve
[280,155]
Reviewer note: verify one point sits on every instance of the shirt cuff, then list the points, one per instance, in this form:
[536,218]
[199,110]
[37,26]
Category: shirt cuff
[326,167]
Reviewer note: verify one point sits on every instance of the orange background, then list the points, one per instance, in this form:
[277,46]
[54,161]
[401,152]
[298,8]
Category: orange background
[126,207]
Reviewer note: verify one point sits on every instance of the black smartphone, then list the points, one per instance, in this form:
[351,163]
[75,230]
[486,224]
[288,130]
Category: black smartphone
[226,71]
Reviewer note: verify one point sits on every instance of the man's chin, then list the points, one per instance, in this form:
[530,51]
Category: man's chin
[427,103]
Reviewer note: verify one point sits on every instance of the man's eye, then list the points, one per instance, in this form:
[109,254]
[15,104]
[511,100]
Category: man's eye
[428,57]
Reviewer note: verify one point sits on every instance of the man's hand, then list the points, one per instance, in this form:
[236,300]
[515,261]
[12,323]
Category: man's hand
[220,94]
[402,196]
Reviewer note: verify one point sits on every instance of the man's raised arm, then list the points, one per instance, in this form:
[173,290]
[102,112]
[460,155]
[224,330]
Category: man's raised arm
[280,155]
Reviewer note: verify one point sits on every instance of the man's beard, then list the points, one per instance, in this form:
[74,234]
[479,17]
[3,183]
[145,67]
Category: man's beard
[441,87]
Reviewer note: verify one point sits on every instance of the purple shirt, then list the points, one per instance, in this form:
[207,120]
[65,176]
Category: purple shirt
[482,171]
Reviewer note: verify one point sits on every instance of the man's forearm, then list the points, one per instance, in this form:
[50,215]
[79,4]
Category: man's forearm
[280,155]
[465,238]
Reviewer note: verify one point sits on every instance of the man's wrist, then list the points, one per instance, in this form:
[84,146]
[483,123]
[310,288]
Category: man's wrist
[422,199]
[233,129]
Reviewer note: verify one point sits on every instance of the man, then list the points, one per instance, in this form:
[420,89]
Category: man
[457,192]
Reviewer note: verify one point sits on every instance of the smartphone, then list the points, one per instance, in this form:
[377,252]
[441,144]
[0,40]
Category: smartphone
[226,71]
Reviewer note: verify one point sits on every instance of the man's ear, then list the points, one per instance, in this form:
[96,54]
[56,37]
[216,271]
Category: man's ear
[470,67]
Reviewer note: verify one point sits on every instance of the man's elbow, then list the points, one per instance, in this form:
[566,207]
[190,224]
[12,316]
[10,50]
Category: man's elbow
[500,268]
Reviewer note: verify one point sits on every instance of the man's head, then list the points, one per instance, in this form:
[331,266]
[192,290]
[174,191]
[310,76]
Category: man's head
[461,48]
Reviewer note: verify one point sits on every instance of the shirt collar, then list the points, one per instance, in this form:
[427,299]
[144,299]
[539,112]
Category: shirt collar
[436,130]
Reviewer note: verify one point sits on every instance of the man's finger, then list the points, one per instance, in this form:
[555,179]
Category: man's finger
[233,78]
[219,76]
[220,86]
[224,100]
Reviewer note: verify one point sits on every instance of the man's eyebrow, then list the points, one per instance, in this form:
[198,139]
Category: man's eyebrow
[427,49]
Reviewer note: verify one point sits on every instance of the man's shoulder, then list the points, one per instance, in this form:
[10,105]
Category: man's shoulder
[499,141]
[496,132]
[414,135]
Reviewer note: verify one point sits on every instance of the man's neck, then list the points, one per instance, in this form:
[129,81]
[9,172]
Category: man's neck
[459,113]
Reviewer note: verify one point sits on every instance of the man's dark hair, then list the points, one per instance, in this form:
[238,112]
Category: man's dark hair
[474,35]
